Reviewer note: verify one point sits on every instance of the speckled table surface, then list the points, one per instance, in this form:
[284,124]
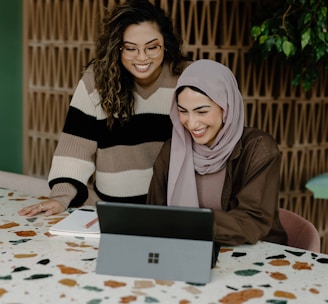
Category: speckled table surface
[36,267]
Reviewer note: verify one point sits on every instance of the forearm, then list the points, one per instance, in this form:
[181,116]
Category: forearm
[255,204]
[157,193]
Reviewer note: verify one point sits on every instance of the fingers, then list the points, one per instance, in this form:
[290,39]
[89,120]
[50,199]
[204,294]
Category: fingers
[31,210]
[49,207]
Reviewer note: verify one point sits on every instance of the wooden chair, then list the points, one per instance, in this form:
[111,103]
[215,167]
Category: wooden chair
[301,232]
[24,183]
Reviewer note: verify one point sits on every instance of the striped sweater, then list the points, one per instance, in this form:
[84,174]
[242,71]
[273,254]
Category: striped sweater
[120,161]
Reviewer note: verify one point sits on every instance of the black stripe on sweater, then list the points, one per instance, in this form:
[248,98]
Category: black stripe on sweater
[138,199]
[141,128]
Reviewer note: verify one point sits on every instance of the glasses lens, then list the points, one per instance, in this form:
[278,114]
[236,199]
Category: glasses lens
[150,51]
[130,52]
[153,51]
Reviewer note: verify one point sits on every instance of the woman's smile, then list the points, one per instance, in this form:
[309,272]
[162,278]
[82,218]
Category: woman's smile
[200,115]
[142,67]
[199,133]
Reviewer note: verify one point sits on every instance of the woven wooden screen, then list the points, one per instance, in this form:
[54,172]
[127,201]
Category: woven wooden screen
[59,40]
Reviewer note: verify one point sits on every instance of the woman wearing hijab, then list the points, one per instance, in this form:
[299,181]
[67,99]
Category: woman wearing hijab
[213,161]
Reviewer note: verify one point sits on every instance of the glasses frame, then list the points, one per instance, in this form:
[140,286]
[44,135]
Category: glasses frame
[138,50]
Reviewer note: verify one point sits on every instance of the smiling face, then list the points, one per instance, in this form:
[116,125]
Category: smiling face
[145,70]
[200,115]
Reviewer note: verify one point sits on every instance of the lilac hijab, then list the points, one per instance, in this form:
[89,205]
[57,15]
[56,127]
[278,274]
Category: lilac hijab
[188,157]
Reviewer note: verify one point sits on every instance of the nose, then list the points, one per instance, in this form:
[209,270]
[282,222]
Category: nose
[142,55]
[192,121]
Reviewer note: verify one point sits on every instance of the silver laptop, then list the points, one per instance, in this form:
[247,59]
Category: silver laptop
[158,242]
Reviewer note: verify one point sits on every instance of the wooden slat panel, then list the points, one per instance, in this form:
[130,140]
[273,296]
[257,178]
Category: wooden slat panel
[307,124]
[236,17]
[274,116]
[256,80]
[199,22]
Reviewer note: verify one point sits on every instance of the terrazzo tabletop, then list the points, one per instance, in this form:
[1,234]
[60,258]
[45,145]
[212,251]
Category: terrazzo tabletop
[36,267]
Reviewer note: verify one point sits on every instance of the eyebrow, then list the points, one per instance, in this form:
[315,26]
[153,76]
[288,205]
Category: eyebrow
[149,42]
[195,109]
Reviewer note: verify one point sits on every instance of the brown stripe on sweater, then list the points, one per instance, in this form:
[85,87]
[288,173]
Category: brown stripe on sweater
[76,147]
[122,158]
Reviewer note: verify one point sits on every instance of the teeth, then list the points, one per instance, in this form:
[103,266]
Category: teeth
[142,67]
[198,132]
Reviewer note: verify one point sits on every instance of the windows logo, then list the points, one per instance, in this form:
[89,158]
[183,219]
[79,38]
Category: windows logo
[153,258]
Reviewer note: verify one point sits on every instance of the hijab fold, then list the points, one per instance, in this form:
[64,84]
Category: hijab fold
[220,85]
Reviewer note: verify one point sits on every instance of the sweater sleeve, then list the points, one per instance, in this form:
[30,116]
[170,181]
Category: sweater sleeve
[74,160]
[157,194]
[63,192]
[253,208]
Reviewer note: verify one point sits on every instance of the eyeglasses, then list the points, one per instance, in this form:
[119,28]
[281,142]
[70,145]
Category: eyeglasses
[151,51]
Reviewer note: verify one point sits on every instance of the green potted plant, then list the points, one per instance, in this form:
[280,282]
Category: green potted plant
[296,32]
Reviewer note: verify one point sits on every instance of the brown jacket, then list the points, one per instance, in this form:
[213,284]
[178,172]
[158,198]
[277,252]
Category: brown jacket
[250,193]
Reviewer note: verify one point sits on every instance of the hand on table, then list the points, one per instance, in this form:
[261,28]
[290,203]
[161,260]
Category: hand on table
[49,207]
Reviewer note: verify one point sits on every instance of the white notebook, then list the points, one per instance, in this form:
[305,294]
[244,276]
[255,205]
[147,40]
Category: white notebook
[81,222]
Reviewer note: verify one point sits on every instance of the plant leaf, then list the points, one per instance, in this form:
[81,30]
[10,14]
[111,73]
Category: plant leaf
[256,31]
[307,18]
[263,38]
[288,48]
[306,38]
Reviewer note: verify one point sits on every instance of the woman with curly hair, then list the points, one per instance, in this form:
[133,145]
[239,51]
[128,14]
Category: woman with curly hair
[118,118]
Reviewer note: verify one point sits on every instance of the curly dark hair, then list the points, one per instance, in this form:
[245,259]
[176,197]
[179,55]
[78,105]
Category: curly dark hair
[113,82]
